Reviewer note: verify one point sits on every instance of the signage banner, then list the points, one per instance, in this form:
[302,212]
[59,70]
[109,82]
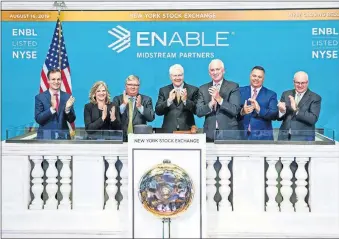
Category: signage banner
[111,45]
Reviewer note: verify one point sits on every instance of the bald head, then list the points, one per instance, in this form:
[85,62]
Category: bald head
[300,81]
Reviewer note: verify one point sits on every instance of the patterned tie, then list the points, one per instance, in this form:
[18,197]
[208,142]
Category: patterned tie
[254,96]
[178,95]
[297,99]
[57,102]
[130,116]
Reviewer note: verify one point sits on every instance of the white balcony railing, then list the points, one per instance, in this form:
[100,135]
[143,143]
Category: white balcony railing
[80,190]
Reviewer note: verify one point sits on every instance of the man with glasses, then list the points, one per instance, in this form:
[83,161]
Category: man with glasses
[177,102]
[299,111]
[134,108]
[219,103]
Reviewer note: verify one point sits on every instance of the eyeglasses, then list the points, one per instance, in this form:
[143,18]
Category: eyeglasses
[177,75]
[131,85]
[300,83]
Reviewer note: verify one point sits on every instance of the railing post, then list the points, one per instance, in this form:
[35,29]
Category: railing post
[210,184]
[52,187]
[111,187]
[65,187]
[286,182]
[301,183]
[272,190]
[225,189]
[37,188]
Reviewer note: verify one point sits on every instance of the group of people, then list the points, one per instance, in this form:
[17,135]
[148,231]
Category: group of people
[230,111]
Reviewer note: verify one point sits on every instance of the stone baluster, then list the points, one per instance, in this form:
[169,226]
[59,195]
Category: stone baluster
[210,184]
[225,189]
[271,189]
[301,183]
[52,187]
[124,185]
[37,187]
[65,181]
[111,187]
[286,182]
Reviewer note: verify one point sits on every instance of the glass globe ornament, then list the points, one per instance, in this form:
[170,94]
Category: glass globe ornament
[166,190]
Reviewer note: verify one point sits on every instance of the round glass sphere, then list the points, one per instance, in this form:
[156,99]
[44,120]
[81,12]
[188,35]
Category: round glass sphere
[166,190]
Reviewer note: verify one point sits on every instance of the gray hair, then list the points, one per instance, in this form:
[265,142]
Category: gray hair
[216,61]
[132,77]
[300,74]
[176,67]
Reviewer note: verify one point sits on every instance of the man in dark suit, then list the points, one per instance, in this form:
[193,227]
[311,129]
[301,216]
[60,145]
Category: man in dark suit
[259,107]
[219,102]
[177,102]
[53,109]
[299,111]
[134,108]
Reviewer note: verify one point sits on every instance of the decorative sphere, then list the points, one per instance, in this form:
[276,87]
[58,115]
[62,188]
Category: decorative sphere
[166,190]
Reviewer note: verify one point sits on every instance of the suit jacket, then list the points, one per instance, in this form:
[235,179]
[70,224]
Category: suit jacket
[300,125]
[261,123]
[177,115]
[226,114]
[138,118]
[52,126]
[95,126]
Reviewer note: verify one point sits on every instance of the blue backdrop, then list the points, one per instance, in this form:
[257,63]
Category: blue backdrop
[281,47]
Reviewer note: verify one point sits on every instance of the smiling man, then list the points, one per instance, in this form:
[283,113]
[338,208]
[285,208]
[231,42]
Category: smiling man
[219,103]
[299,111]
[177,102]
[259,107]
[134,108]
[53,109]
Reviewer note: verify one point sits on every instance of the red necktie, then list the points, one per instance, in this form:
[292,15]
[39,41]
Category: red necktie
[57,102]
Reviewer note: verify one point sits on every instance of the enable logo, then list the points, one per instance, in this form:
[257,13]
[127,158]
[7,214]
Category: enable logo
[123,39]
